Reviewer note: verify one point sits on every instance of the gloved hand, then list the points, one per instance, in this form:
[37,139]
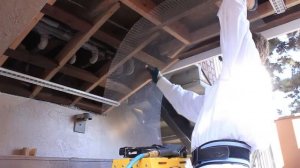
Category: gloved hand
[154,72]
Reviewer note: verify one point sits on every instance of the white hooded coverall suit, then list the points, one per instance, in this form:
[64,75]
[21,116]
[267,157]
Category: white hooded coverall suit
[238,105]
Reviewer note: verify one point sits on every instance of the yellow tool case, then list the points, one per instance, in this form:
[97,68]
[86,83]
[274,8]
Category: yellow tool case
[160,162]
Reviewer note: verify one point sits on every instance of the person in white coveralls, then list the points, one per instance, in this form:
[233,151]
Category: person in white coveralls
[233,118]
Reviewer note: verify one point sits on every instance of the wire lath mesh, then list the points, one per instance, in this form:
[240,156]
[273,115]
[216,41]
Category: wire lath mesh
[129,71]
[209,68]
[173,8]
[145,37]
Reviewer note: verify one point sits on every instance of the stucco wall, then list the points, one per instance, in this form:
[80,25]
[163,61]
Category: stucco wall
[14,16]
[49,127]
[288,141]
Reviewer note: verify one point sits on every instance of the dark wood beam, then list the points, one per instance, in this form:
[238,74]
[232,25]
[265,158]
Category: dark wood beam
[79,73]
[178,51]
[25,56]
[202,48]
[75,43]
[67,18]
[108,39]
[150,60]
[278,21]
[82,25]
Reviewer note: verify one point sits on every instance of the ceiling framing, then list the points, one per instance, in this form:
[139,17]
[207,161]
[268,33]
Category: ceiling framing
[93,26]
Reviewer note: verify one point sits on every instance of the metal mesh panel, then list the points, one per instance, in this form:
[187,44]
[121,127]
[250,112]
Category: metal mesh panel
[209,68]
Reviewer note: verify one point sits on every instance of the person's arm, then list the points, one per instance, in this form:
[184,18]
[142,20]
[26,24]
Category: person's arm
[236,39]
[186,103]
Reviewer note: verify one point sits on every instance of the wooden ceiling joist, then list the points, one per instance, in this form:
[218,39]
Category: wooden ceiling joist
[75,43]
[25,56]
[150,60]
[81,25]
[113,68]
[67,18]
[177,52]
[108,39]
[278,21]
[144,8]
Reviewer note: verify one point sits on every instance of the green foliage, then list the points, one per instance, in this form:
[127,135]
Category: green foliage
[291,85]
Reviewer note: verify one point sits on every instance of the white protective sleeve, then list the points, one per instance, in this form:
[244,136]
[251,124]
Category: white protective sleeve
[237,46]
[186,103]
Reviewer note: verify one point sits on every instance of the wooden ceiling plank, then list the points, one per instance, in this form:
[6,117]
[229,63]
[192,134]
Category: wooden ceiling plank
[67,18]
[108,39]
[179,32]
[80,38]
[206,33]
[25,56]
[144,9]
[150,60]
[198,50]
[75,43]
[117,65]
[134,52]
[176,53]
[79,73]
[81,25]
[278,21]
[78,24]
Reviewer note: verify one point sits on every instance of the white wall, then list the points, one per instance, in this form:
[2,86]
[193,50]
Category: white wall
[49,127]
